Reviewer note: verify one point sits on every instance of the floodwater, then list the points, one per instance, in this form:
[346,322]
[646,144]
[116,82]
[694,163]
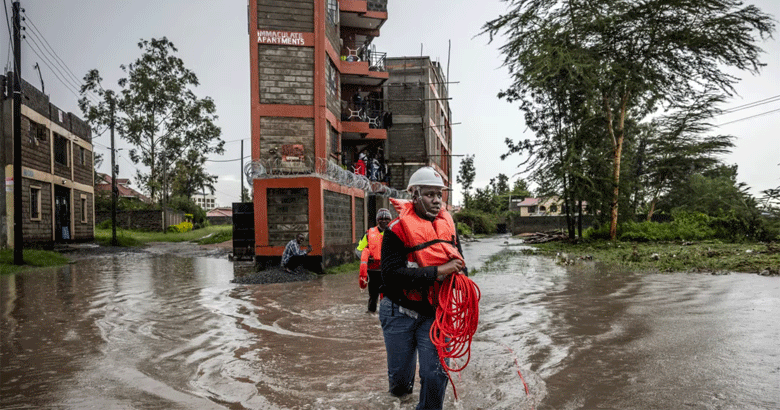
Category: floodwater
[158,331]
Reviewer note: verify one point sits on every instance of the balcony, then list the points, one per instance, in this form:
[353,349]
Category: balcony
[364,119]
[363,66]
[369,15]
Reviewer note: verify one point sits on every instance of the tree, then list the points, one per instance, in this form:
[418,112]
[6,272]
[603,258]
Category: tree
[160,116]
[189,176]
[634,56]
[466,173]
[520,189]
[673,147]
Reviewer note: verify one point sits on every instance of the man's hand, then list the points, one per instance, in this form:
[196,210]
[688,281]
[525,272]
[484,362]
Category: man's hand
[452,266]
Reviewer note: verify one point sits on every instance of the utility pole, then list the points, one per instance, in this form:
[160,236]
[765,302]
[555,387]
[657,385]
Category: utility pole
[17,123]
[242,171]
[114,189]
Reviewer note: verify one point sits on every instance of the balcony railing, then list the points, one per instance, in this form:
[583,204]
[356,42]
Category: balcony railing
[377,5]
[377,61]
[370,110]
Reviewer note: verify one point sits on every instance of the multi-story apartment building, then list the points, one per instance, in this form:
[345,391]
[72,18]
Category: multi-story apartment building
[205,201]
[421,134]
[57,171]
[317,110]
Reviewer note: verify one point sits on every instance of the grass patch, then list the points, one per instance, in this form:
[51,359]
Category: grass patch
[350,267]
[217,237]
[33,258]
[704,256]
[137,238]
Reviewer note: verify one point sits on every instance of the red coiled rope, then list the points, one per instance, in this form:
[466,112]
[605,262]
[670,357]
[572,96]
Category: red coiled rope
[456,321]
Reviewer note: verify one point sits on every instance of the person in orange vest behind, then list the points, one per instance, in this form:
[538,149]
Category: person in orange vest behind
[420,249]
[370,248]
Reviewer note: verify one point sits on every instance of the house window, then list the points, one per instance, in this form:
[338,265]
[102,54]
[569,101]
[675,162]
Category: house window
[60,149]
[37,133]
[553,208]
[83,209]
[82,155]
[35,203]
[532,209]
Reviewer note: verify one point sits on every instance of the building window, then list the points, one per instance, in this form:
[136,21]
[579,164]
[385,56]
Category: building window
[82,156]
[35,203]
[332,7]
[60,149]
[37,133]
[84,209]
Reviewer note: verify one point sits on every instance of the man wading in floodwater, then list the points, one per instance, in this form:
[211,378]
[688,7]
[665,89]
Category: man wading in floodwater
[420,249]
[370,248]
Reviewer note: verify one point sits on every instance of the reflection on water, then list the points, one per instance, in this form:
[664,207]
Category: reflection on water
[158,331]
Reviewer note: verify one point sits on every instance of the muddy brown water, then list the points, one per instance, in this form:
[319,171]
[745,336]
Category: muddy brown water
[166,329]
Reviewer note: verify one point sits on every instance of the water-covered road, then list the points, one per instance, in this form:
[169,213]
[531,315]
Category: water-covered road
[154,330]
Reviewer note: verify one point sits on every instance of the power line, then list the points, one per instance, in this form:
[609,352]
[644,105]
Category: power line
[751,105]
[53,63]
[69,87]
[57,57]
[228,160]
[747,118]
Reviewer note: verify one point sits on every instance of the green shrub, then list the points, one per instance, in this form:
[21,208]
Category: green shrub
[464,230]
[480,222]
[104,225]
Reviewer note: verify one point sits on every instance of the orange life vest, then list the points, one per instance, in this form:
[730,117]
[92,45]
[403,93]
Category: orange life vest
[431,243]
[371,255]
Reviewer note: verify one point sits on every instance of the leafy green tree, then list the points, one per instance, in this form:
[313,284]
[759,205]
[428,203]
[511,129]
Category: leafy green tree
[160,116]
[634,56]
[465,177]
[189,176]
[520,189]
[674,147]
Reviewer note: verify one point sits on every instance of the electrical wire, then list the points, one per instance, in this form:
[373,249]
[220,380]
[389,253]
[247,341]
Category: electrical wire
[751,105]
[747,118]
[229,160]
[54,53]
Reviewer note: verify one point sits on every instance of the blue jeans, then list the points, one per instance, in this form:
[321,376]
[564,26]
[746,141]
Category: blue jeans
[405,336]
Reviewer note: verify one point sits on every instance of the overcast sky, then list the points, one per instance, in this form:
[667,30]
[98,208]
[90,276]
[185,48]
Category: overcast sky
[212,39]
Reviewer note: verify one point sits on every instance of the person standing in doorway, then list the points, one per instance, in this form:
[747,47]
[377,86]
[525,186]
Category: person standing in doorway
[420,249]
[293,256]
[370,248]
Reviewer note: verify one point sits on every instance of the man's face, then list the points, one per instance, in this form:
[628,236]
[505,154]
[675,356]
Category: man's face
[299,239]
[429,201]
[382,223]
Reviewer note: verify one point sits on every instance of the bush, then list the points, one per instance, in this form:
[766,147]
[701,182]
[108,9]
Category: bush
[185,226]
[104,225]
[480,222]
[464,230]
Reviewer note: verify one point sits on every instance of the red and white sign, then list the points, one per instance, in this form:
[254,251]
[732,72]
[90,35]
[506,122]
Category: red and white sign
[282,38]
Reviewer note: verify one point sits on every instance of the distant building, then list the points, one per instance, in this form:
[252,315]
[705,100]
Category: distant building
[103,184]
[205,201]
[220,216]
[547,206]
[57,180]
[417,97]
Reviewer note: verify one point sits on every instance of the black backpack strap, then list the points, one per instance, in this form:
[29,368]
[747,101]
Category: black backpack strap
[429,243]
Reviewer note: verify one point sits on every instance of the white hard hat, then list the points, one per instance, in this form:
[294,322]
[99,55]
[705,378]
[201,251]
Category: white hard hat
[426,176]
